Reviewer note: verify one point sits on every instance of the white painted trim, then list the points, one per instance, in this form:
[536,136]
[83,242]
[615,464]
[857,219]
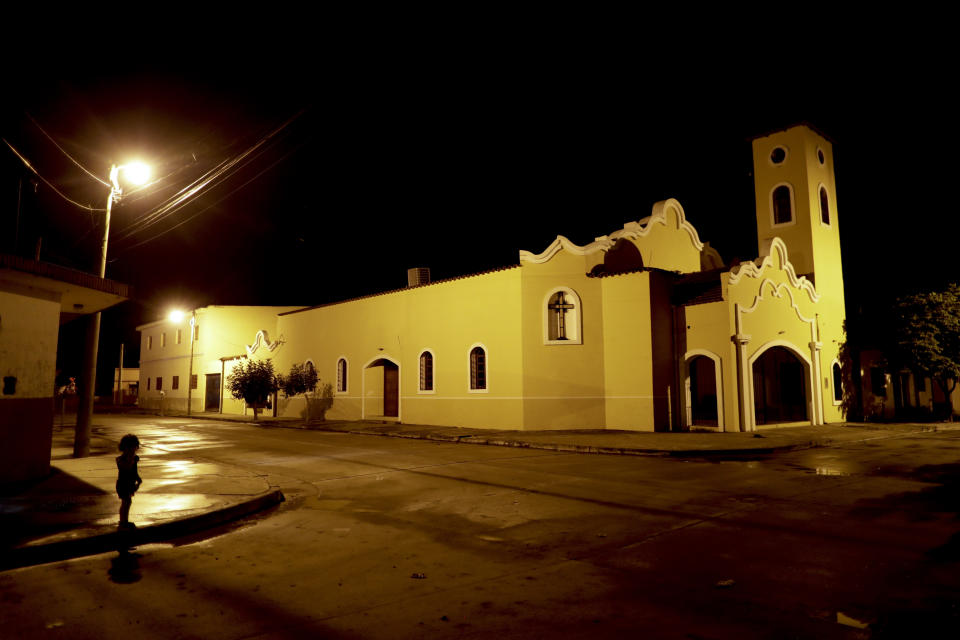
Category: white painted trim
[718,379]
[833,390]
[578,317]
[632,230]
[363,385]
[810,383]
[336,376]
[420,373]
[820,186]
[793,206]
[757,268]
[786,155]
[486,365]
[263,339]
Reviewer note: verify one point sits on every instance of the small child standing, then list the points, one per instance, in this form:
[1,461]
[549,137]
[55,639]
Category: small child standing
[128,480]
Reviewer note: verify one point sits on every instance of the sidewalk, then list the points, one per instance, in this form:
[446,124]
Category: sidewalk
[74,511]
[772,439]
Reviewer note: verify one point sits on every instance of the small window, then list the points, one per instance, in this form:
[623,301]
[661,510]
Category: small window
[149,342]
[193,381]
[179,336]
[176,382]
[478,368]
[148,384]
[561,320]
[163,339]
[782,205]
[159,383]
[824,206]
[342,375]
[778,155]
[837,383]
[196,332]
[426,371]
[821,157]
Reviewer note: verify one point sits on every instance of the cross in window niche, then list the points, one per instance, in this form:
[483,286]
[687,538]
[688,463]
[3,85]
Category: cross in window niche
[560,306]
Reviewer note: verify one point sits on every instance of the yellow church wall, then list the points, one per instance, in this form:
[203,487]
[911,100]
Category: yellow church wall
[448,319]
[667,246]
[628,352]
[563,382]
[709,332]
[771,307]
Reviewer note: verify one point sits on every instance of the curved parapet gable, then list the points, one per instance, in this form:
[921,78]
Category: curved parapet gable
[262,339]
[600,244]
[773,255]
[660,215]
[667,213]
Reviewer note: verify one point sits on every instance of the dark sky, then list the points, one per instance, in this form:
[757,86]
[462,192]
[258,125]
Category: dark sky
[452,161]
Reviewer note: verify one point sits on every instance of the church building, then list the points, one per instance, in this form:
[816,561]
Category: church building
[643,329]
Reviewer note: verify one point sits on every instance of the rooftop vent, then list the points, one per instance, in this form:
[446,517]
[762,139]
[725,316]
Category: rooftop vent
[418,276]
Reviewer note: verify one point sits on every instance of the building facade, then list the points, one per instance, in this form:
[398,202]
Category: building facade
[35,299]
[642,329]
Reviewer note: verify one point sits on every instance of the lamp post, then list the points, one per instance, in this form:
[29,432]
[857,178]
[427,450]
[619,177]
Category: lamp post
[136,173]
[177,316]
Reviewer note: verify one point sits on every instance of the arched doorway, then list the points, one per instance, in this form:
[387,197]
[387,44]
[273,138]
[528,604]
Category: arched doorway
[703,392]
[381,389]
[779,387]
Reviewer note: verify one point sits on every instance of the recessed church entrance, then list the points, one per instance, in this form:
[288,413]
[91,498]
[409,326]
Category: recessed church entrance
[381,381]
[779,387]
[703,392]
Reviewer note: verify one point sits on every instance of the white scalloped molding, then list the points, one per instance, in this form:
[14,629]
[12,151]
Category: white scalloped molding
[658,215]
[262,339]
[632,230]
[756,268]
[600,244]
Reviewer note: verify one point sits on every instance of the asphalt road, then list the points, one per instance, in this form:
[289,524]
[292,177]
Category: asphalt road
[395,538]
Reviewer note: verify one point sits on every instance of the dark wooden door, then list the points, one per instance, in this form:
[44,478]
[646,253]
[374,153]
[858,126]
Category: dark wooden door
[391,390]
[212,402]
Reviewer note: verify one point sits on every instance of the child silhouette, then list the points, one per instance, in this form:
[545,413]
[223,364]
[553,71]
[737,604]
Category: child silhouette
[128,480]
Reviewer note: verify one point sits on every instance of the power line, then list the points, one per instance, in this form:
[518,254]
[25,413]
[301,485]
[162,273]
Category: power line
[50,138]
[48,183]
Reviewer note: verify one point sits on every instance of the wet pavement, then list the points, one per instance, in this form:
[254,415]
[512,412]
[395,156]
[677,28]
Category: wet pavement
[74,511]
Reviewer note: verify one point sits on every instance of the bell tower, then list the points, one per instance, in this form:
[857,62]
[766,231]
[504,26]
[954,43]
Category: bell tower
[796,198]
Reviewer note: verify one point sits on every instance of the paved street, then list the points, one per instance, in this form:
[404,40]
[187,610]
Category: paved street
[396,538]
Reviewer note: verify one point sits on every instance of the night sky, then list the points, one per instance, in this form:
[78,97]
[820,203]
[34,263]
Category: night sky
[454,162]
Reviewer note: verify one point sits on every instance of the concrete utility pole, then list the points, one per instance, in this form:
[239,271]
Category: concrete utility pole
[193,334]
[120,378]
[88,375]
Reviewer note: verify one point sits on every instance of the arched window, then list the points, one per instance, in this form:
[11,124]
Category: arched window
[561,319]
[782,205]
[426,371]
[342,375]
[478,368]
[824,206]
[837,383]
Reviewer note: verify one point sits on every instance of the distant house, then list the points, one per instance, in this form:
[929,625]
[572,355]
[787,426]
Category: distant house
[35,299]
[643,329]
[177,363]
[126,385]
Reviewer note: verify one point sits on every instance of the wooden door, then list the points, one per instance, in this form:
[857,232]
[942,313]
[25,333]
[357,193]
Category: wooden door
[391,390]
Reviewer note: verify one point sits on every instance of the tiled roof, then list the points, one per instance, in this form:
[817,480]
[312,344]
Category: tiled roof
[419,286]
[700,287]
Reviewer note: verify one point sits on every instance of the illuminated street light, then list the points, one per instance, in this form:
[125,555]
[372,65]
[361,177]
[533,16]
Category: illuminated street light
[135,173]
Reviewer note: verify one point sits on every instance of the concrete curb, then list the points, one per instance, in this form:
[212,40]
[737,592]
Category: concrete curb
[28,555]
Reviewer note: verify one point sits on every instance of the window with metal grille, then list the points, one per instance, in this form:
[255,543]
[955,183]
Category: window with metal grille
[478,368]
[426,371]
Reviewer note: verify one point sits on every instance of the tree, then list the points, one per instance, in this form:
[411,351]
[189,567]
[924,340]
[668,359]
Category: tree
[253,381]
[928,336]
[303,379]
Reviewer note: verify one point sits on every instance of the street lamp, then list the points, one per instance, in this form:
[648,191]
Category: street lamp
[177,317]
[135,173]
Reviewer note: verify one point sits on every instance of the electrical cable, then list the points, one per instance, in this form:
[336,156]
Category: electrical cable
[48,183]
